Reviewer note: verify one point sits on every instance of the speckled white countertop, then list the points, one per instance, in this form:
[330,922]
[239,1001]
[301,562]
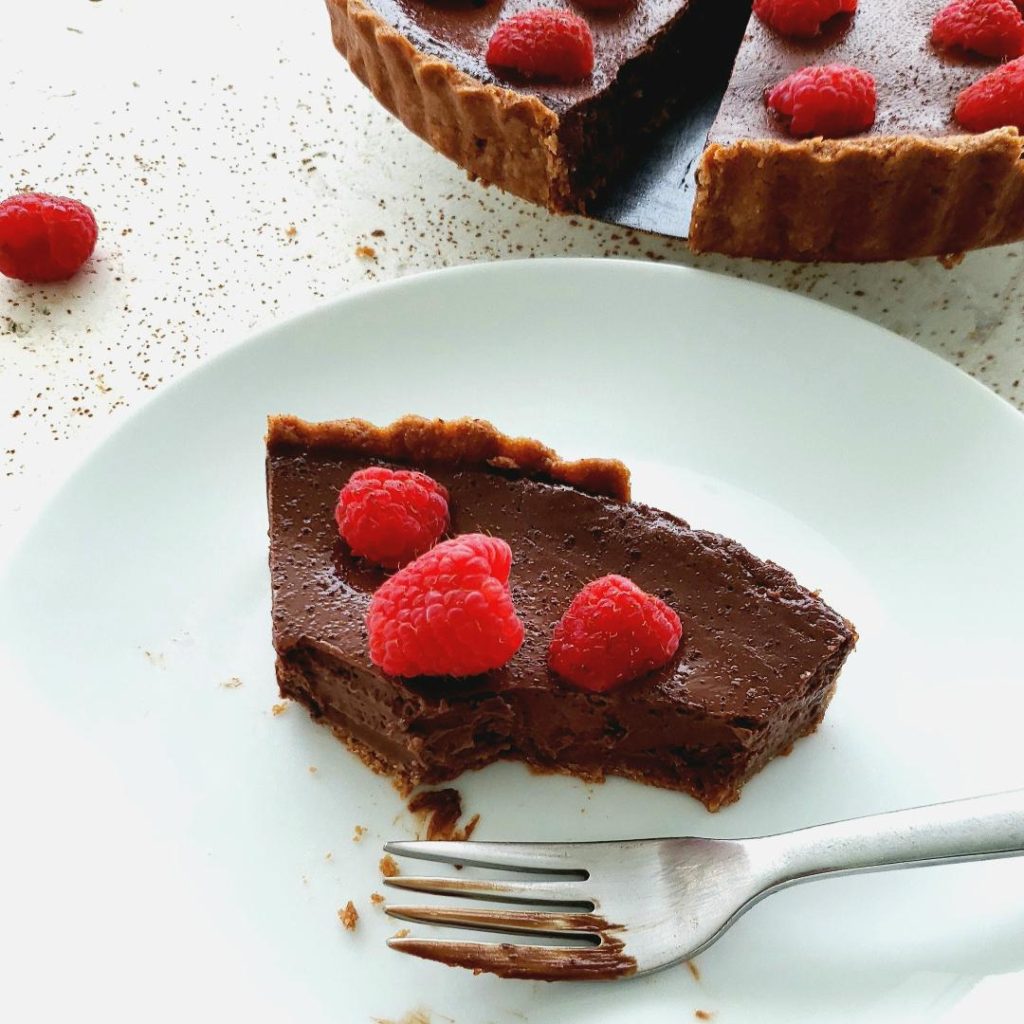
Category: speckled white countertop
[239,173]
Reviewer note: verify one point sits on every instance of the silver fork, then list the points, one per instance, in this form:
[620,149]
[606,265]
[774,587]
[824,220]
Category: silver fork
[633,907]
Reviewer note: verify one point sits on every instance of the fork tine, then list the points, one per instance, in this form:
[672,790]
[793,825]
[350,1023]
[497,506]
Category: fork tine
[493,889]
[510,960]
[554,857]
[515,921]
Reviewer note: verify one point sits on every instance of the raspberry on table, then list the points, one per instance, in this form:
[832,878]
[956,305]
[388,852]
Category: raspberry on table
[801,18]
[543,43]
[611,633]
[994,101]
[831,101]
[389,516]
[993,28]
[448,613]
[44,238]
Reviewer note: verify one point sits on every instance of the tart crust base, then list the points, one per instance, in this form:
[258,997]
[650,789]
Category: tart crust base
[462,442]
[863,199]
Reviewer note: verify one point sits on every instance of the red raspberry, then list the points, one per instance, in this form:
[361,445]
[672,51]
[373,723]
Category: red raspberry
[543,43]
[449,613]
[802,18]
[390,516]
[993,28]
[831,101]
[613,632]
[44,238]
[995,101]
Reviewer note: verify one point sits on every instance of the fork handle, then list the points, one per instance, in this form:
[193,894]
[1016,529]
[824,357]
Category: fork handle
[979,828]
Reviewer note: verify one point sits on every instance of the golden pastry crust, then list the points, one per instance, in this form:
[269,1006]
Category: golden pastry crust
[464,442]
[500,136]
[863,199]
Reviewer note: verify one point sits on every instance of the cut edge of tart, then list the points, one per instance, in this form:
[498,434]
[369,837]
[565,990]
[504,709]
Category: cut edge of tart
[704,723]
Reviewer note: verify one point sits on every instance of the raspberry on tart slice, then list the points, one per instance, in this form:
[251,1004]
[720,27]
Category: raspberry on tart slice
[390,516]
[613,632]
[830,101]
[448,613]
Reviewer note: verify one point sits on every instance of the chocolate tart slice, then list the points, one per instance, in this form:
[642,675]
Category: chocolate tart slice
[755,671]
[915,184]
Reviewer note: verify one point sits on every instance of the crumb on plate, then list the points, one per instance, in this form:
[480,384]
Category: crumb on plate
[349,916]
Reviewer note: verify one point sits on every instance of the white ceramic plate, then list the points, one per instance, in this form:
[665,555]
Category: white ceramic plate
[166,840]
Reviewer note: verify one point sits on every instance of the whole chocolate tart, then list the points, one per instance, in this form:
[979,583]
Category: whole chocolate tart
[755,671]
[914,184]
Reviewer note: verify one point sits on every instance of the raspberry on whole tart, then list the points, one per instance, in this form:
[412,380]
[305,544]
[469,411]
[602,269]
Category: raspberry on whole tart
[800,18]
[44,238]
[993,28]
[545,42]
[611,633]
[448,613]
[830,101]
[389,516]
[994,101]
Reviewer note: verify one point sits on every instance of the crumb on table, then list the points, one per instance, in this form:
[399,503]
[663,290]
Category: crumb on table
[388,866]
[349,916]
[358,833]
[279,709]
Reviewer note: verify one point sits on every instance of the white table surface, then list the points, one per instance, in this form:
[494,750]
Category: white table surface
[236,167]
